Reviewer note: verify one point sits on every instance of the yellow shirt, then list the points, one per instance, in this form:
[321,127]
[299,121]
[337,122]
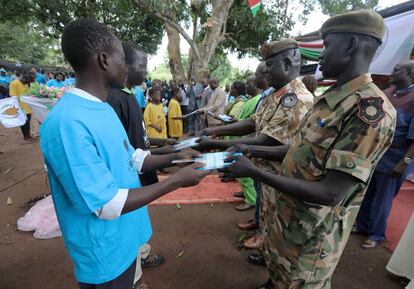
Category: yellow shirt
[175,126]
[17,88]
[154,115]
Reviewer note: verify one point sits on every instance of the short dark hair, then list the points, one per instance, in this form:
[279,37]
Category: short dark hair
[153,90]
[240,86]
[28,76]
[83,38]
[129,49]
[175,91]
[61,73]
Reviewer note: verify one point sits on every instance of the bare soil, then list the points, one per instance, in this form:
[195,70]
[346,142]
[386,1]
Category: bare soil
[206,235]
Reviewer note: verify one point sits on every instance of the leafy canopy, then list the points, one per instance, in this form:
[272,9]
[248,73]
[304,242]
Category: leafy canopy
[128,22]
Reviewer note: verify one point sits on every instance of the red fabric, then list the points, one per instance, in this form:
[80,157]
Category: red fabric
[210,190]
[253,2]
[310,45]
[401,211]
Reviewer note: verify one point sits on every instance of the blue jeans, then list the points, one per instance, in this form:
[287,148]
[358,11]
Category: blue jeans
[377,203]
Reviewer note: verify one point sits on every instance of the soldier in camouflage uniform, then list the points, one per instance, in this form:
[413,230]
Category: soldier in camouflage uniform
[326,169]
[277,116]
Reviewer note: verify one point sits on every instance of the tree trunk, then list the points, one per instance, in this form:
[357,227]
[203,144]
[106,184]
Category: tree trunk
[174,54]
[215,28]
[215,32]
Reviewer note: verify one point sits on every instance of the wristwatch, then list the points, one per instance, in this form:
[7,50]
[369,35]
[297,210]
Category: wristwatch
[407,160]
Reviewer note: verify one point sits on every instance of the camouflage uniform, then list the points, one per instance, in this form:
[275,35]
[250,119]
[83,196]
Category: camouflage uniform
[347,130]
[279,117]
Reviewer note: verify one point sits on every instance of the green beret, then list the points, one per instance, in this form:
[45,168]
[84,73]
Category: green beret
[275,47]
[361,21]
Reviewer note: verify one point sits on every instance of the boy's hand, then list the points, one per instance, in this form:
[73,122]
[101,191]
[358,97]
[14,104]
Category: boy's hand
[171,141]
[157,128]
[190,176]
[187,154]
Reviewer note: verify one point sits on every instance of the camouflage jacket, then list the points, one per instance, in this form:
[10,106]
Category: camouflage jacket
[280,114]
[348,130]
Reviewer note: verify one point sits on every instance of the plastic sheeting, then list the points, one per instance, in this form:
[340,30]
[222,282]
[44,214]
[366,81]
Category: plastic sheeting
[41,219]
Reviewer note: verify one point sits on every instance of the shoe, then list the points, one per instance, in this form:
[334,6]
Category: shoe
[227,180]
[256,259]
[140,285]
[369,244]
[356,231]
[152,260]
[254,242]
[267,285]
[249,225]
[29,138]
[239,195]
[244,207]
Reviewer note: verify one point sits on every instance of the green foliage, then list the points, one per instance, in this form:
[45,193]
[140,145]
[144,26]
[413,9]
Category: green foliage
[333,7]
[247,33]
[161,71]
[128,22]
[22,43]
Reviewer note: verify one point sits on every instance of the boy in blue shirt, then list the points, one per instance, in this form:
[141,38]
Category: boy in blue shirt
[58,81]
[92,168]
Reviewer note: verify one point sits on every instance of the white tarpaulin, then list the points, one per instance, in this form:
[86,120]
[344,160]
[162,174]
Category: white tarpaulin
[397,43]
[11,115]
[39,106]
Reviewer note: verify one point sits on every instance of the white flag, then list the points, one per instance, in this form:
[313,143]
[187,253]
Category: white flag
[397,43]
[11,115]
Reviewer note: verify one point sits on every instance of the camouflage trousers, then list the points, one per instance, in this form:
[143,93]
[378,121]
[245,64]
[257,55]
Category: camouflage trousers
[301,247]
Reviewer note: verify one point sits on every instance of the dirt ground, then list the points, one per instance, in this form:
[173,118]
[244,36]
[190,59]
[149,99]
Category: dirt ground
[207,236]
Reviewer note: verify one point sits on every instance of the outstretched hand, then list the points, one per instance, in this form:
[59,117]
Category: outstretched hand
[191,175]
[209,131]
[241,168]
[188,153]
[239,148]
[171,141]
[203,144]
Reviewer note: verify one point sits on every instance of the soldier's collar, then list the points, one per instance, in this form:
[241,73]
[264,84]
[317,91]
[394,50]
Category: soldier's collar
[337,94]
[287,88]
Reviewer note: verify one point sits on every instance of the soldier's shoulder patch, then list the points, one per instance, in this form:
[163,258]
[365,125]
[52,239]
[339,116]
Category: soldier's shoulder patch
[370,109]
[289,99]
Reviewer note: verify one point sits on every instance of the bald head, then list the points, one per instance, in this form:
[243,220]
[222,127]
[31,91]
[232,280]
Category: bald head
[403,74]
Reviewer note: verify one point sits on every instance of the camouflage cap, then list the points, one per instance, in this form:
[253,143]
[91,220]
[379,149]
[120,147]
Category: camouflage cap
[362,21]
[275,47]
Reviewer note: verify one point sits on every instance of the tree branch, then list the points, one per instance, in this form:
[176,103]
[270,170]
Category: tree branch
[234,41]
[143,4]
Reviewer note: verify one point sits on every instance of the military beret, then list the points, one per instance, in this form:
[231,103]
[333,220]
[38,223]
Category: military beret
[275,47]
[361,21]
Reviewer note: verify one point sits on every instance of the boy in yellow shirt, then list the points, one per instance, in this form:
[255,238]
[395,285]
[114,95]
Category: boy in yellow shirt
[175,116]
[18,88]
[154,116]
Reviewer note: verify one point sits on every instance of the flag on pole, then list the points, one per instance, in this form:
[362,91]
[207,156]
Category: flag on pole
[254,6]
